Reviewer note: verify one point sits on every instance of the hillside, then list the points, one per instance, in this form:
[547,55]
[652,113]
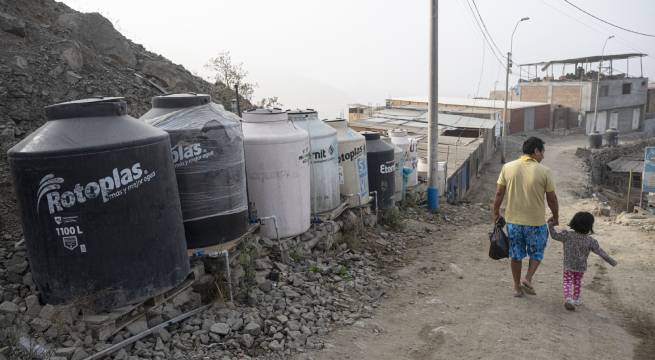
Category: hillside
[52,53]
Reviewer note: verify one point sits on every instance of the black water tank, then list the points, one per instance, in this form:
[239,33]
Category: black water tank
[207,148]
[612,137]
[100,206]
[595,140]
[381,167]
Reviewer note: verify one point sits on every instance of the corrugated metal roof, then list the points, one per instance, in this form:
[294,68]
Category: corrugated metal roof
[477,103]
[626,165]
[449,120]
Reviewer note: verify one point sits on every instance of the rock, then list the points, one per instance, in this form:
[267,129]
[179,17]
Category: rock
[159,346]
[12,25]
[266,286]
[236,324]
[457,271]
[275,346]
[79,354]
[33,305]
[293,325]
[20,62]
[220,329]
[165,73]
[65,352]
[263,264]
[72,55]
[137,327]
[93,29]
[253,329]
[247,340]
[47,312]
[164,334]
[8,307]
[39,324]
[72,78]
[282,319]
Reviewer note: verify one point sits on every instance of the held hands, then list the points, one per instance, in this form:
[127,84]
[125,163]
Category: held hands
[553,221]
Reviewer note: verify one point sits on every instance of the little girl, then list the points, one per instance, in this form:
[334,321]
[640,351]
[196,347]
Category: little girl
[577,245]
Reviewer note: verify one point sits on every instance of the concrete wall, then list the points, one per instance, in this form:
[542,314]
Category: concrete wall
[625,117]
[616,98]
[650,107]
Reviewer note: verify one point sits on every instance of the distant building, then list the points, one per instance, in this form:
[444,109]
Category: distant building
[650,102]
[621,96]
[522,115]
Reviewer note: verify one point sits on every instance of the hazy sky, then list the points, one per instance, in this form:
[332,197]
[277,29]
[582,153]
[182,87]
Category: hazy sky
[328,53]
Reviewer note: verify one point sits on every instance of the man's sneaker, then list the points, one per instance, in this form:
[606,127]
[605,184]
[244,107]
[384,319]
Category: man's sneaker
[569,305]
[577,302]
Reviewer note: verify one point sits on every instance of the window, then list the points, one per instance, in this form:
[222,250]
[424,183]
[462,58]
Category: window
[627,88]
[604,90]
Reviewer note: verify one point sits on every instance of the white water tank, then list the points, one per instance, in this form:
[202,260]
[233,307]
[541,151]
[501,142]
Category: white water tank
[324,165]
[398,162]
[413,162]
[410,147]
[277,171]
[353,169]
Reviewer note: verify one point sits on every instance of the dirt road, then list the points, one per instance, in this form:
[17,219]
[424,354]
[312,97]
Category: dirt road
[435,314]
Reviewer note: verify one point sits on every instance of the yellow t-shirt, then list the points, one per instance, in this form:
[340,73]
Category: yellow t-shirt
[526,182]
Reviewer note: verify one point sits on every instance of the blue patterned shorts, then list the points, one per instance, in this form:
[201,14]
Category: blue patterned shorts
[527,240]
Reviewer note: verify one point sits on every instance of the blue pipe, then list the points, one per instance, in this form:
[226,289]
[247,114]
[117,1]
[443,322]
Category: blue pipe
[433,199]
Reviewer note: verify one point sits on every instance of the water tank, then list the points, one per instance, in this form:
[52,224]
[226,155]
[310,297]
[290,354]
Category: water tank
[207,150]
[100,206]
[277,171]
[324,163]
[612,137]
[353,170]
[410,162]
[381,170]
[398,165]
[413,162]
[595,140]
[441,172]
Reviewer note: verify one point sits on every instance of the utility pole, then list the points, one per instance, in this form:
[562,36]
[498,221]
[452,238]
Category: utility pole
[505,127]
[594,131]
[509,67]
[433,113]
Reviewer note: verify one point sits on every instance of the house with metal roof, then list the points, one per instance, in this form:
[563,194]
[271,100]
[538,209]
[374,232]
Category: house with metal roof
[570,86]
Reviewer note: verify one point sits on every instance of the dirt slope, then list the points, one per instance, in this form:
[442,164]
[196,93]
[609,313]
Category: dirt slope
[51,53]
[434,314]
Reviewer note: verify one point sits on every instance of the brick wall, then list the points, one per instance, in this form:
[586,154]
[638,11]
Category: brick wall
[537,93]
[567,96]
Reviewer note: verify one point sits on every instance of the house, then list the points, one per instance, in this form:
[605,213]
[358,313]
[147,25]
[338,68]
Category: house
[572,95]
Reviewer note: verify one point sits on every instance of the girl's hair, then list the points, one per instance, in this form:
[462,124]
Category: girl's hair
[583,223]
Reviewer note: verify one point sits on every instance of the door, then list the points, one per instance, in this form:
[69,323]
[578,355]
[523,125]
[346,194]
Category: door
[528,119]
[601,123]
[636,115]
[614,120]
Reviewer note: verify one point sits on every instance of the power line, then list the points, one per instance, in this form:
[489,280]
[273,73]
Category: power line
[607,22]
[603,32]
[484,35]
[485,27]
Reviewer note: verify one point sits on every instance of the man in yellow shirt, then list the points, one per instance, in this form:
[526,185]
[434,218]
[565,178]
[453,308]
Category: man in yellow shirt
[525,183]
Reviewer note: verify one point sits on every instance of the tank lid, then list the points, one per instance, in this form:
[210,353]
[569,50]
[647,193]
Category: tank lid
[397,133]
[183,100]
[370,135]
[302,112]
[92,107]
[337,123]
[265,115]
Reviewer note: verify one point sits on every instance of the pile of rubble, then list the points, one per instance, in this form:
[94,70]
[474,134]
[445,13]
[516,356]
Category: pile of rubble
[287,295]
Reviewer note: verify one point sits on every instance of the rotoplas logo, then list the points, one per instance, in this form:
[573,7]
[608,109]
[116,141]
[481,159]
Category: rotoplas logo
[50,186]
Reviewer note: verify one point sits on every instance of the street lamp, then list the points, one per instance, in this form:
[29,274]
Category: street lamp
[600,64]
[509,66]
